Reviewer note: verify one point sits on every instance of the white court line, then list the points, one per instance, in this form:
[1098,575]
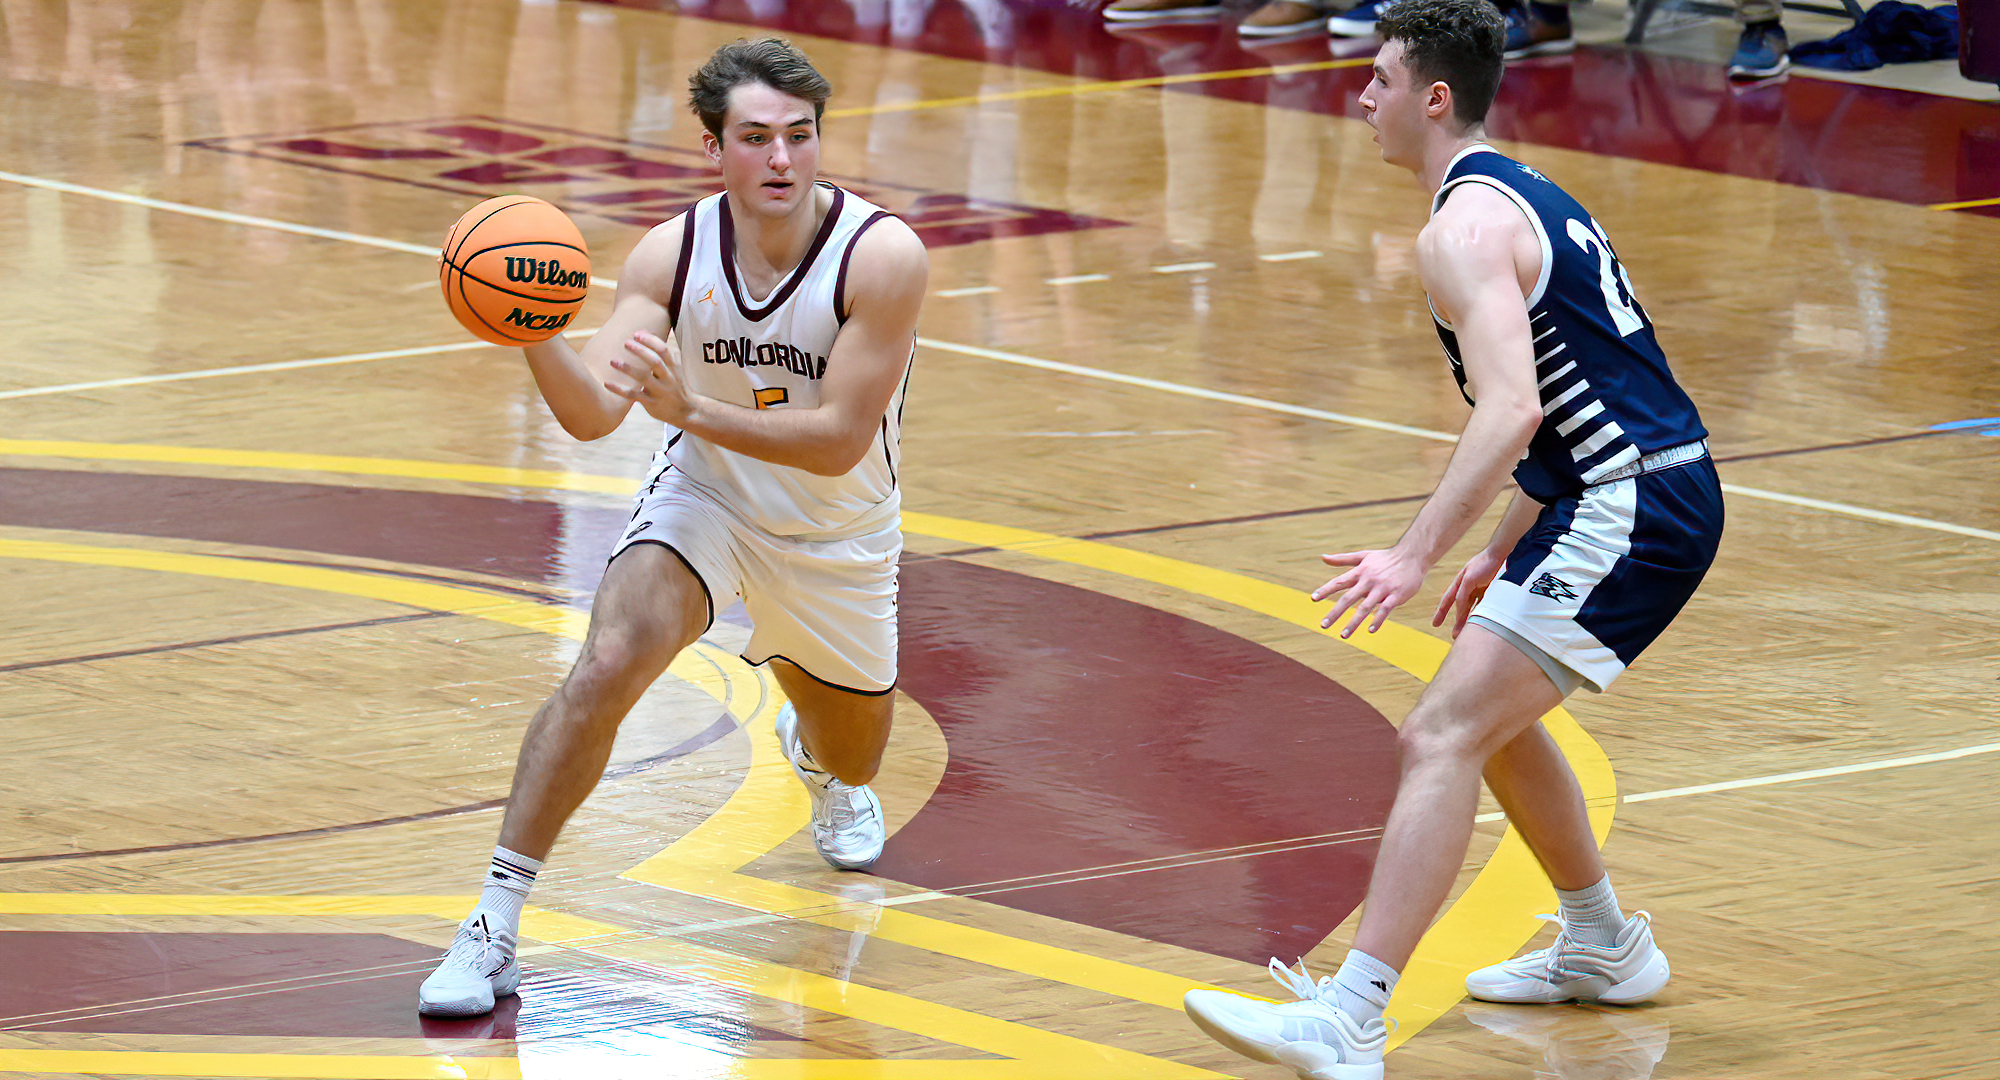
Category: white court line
[942,346]
[1288,256]
[1183,268]
[251,369]
[970,290]
[238,219]
[1422,433]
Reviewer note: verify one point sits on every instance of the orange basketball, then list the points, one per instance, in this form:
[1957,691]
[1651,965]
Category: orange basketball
[514,270]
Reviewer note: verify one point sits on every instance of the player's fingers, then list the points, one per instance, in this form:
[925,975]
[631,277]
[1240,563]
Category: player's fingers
[1361,611]
[1343,581]
[630,393]
[1381,616]
[1347,600]
[1445,601]
[1345,558]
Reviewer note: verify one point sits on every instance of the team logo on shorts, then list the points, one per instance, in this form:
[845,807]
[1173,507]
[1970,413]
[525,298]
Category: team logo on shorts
[1552,587]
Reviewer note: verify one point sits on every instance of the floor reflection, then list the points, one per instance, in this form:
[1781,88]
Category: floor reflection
[1581,1043]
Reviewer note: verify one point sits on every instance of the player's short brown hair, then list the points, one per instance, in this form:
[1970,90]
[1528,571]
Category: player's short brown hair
[775,62]
[1456,42]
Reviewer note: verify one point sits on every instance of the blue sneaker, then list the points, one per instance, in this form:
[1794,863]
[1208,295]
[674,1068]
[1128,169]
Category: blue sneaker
[1359,20]
[1760,52]
[1528,34]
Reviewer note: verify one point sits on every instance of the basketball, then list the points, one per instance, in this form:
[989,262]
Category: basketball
[514,270]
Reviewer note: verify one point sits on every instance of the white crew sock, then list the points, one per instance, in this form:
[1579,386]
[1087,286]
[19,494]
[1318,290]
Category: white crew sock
[507,884]
[1363,985]
[1591,915]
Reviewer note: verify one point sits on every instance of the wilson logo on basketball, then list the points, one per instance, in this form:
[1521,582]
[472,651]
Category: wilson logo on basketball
[539,322]
[545,272]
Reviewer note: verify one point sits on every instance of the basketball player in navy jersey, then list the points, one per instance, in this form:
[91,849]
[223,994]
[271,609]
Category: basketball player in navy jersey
[1616,518]
[792,305]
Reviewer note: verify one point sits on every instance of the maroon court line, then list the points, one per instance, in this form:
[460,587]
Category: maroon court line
[261,635]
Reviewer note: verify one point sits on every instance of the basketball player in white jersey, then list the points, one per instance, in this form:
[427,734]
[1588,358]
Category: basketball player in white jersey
[772,329]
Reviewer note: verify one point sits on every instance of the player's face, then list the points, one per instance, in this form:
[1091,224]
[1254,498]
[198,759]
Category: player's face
[1394,107]
[769,150]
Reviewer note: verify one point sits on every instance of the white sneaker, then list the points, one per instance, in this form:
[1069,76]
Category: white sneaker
[1311,1036]
[847,824]
[478,967]
[1627,973]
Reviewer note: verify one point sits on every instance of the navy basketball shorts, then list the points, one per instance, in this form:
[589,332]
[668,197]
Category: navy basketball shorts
[1601,574]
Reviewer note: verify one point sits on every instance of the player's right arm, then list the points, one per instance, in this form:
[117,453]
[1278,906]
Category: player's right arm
[574,382]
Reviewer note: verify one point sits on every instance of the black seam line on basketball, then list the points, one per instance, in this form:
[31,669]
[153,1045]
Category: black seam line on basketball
[261,635]
[527,243]
[470,229]
[467,275]
[549,598]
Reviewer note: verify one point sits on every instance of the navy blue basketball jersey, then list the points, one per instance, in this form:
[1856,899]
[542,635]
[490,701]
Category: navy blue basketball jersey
[1607,396]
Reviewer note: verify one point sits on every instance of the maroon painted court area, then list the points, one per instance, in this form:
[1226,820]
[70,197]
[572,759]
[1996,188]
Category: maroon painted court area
[1145,772]
[1808,132]
[1122,767]
[323,986]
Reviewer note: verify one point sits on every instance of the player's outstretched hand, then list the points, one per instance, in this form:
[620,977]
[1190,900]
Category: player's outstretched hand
[1378,582]
[1468,588]
[654,368]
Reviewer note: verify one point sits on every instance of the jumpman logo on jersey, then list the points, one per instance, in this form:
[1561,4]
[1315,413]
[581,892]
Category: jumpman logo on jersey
[707,297]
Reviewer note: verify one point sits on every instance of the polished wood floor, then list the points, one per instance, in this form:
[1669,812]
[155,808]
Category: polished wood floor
[270,634]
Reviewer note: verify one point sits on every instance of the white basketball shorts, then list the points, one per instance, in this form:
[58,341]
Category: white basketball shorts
[828,607]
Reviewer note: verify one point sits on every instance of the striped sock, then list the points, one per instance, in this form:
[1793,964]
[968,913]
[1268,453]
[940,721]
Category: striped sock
[1363,985]
[507,885]
[1591,915]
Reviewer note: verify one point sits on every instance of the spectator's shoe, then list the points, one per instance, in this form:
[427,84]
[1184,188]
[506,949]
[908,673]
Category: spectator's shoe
[1158,11]
[1760,52]
[1528,34]
[1627,973]
[1282,18]
[1359,20]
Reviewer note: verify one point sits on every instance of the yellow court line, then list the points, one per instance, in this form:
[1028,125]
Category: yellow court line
[330,463]
[1071,89]
[767,808]
[1964,205]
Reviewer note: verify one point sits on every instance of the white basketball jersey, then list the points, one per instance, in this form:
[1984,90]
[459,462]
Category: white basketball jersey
[771,353]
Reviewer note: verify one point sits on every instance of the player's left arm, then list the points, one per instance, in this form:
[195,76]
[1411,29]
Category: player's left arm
[1469,258]
[887,277]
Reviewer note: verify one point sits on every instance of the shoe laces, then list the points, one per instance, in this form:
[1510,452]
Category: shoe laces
[1299,981]
[846,808]
[473,945]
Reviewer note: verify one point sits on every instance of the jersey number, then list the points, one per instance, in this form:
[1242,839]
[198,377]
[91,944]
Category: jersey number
[1610,276]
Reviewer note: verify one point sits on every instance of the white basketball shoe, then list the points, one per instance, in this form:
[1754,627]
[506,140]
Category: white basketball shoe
[1629,972]
[847,823]
[1310,1036]
[479,967]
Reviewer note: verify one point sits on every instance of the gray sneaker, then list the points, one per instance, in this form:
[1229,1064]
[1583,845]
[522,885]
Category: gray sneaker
[847,824]
[1631,971]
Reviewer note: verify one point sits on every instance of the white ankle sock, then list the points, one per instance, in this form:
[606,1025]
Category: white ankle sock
[1363,985]
[507,884]
[1591,915]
